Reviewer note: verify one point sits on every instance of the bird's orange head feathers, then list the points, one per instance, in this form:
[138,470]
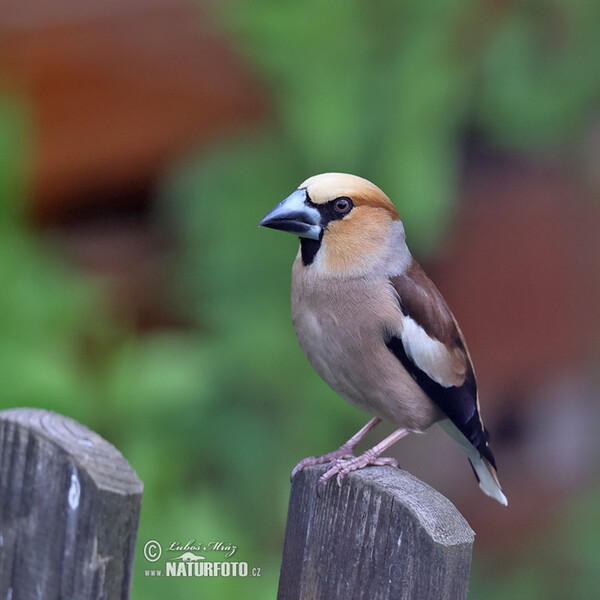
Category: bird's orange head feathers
[347,226]
[329,186]
[352,243]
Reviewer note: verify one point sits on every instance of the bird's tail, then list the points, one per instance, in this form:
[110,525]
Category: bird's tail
[484,470]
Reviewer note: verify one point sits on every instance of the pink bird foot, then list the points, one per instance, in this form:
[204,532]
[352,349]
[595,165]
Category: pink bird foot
[341,467]
[311,461]
[344,451]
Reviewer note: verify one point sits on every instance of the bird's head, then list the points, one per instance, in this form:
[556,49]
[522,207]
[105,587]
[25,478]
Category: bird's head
[347,226]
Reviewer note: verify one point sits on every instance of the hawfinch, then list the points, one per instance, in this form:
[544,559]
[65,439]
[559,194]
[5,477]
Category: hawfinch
[375,327]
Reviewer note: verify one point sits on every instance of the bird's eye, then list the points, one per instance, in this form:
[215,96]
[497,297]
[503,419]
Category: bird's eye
[342,205]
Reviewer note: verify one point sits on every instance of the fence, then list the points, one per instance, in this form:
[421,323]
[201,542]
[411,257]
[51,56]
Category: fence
[69,510]
[384,535]
[70,505]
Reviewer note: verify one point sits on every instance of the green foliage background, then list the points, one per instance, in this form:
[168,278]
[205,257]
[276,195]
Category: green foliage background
[213,418]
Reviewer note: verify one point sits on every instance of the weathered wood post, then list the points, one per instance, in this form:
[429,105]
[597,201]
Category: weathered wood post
[384,535]
[69,510]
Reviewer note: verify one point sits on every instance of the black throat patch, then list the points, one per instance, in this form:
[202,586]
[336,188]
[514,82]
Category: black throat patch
[309,249]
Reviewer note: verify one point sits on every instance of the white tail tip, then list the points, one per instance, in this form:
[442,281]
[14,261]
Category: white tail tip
[487,480]
[486,474]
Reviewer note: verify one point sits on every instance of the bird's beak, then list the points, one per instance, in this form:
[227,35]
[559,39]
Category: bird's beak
[295,215]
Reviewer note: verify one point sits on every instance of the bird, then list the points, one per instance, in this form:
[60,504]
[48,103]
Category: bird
[375,327]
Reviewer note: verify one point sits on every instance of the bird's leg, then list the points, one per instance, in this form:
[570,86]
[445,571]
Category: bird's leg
[345,450]
[342,467]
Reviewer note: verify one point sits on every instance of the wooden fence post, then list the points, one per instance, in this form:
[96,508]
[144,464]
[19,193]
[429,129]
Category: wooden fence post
[384,535]
[69,510]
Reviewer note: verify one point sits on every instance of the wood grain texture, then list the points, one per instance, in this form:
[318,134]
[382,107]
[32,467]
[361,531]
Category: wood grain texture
[383,535]
[69,510]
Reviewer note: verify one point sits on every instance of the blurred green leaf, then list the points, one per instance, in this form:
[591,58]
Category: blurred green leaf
[14,150]
[539,78]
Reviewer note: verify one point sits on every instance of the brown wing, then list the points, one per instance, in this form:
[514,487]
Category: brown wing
[432,349]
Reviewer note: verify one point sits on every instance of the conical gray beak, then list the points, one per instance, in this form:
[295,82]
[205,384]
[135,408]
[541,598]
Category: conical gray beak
[295,215]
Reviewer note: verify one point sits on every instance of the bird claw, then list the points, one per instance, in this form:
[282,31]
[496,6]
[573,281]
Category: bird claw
[311,461]
[305,462]
[341,467]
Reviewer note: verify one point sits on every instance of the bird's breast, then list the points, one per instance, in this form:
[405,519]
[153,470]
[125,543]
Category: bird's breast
[341,326]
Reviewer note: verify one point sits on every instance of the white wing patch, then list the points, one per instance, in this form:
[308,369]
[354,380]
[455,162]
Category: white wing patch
[442,364]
